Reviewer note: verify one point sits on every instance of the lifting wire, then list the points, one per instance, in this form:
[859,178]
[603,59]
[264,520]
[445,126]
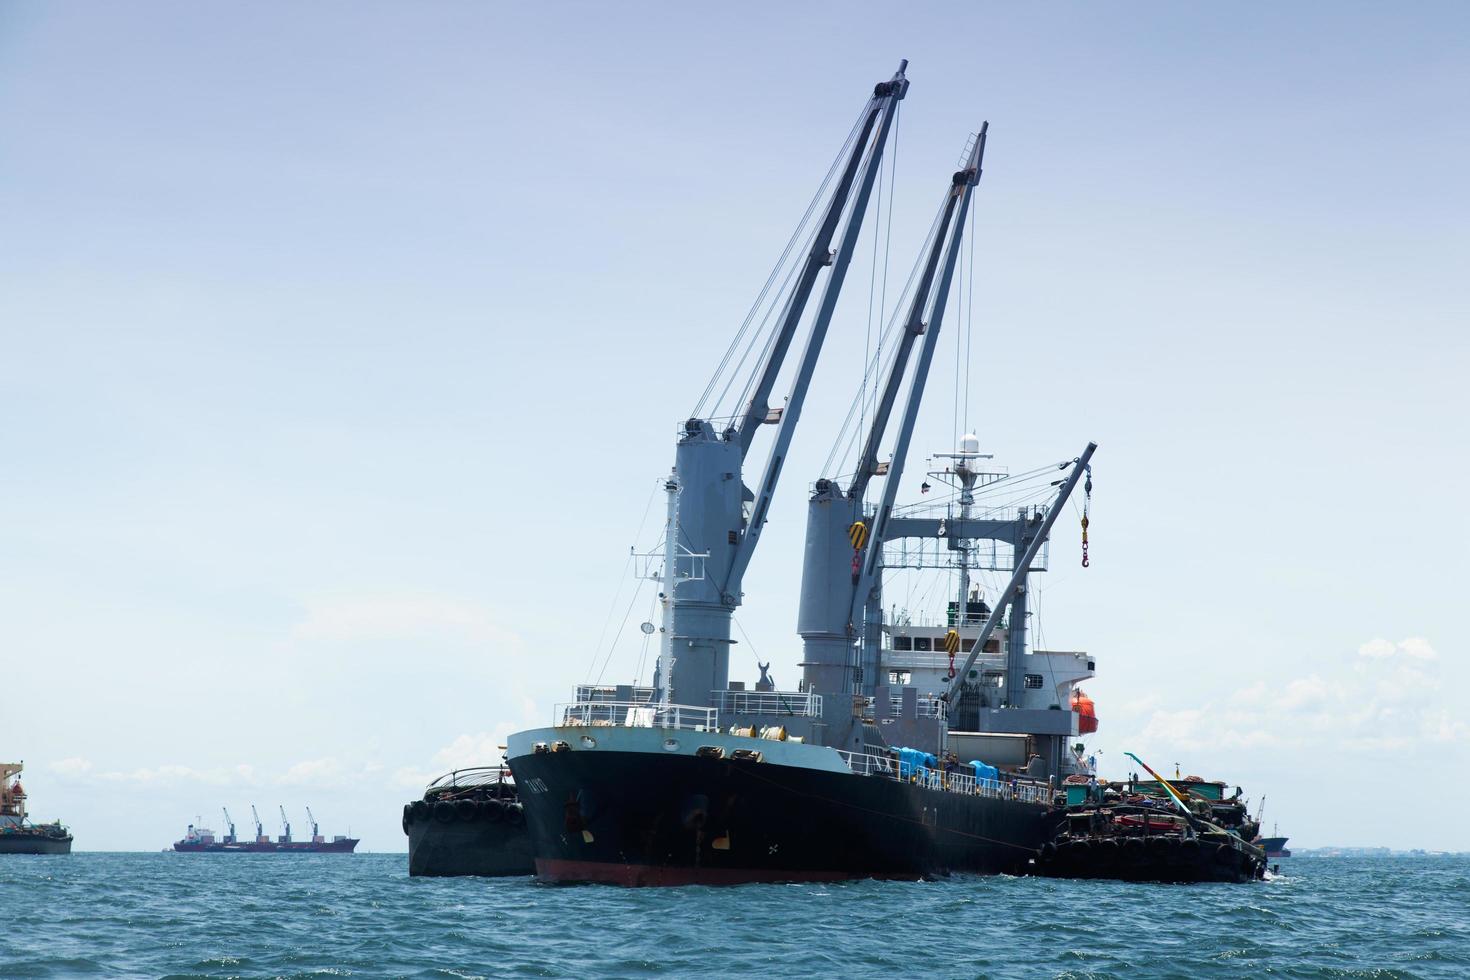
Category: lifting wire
[970,320]
[895,323]
[647,638]
[748,642]
[627,568]
[723,409]
[621,626]
[776,270]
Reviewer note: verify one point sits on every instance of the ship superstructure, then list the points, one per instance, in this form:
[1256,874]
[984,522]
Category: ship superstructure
[890,758]
[18,833]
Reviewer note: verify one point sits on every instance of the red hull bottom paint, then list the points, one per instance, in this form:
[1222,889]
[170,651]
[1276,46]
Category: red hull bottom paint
[636,875]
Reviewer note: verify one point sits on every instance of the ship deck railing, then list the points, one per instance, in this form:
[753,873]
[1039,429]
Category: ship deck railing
[793,703]
[474,776]
[635,714]
[966,784]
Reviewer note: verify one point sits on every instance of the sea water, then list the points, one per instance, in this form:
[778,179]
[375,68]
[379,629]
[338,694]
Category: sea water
[225,915]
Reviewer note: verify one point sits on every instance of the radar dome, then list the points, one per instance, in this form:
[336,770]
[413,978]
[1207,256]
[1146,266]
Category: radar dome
[970,444]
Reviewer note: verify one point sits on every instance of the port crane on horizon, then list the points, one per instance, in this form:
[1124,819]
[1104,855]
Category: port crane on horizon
[229,837]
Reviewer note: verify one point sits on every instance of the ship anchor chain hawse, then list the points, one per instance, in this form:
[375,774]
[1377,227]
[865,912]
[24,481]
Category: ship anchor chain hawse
[889,759]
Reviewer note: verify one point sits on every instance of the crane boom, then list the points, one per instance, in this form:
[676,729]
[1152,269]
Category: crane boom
[230,824]
[259,830]
[714,521]
[885,95]
[286,837]
[801,383]
[957,205]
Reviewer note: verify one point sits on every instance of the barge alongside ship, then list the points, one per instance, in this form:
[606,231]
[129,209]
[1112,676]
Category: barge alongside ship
[469,822]
[890,759]
[1179,831]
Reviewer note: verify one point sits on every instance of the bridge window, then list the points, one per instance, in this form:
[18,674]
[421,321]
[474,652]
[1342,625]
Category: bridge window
[902,643]
[922,643]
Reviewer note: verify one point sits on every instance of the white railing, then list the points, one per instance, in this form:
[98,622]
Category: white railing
[794,703]
[606,692]
[633,714]
[927,706]
[925,660]
[1004,788]
[476,776]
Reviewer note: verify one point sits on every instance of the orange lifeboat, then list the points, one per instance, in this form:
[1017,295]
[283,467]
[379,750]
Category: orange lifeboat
[1087,714]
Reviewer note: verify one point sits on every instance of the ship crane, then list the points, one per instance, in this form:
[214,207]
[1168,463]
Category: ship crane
[260,837]
[230,836]
[286,837]
[840,536]
[714,521]
[316,834]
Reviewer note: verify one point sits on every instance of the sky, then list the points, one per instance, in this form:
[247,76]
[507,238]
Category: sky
[342,348]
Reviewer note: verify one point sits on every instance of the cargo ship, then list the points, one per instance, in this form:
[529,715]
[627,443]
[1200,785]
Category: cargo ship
[468,822]
[1275,846]
[201,840]
[18,833]
[913,745]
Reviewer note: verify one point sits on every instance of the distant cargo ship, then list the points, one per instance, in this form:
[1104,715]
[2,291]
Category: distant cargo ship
[1275,846]
[18,835]
[202,840]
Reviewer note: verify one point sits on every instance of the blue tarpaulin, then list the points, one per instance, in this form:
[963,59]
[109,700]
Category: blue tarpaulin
[985,775]
[912,761]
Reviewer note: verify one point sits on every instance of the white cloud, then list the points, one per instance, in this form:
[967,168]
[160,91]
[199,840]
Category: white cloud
[1392,699]
[314,772]
[466,751]
[170,775]
[71,767]
[358,618]
[1376,647]
[1416,647]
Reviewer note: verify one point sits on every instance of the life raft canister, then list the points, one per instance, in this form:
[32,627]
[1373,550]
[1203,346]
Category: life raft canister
[1086,711]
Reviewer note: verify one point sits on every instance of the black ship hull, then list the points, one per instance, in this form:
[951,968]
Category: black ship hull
[1275,847]
[639,818]
[1167,859]
[447,838]
[34,844]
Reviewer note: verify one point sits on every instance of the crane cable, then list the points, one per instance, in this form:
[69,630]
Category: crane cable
[776,269]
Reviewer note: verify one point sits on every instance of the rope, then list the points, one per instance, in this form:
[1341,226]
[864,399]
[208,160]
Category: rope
[623,581]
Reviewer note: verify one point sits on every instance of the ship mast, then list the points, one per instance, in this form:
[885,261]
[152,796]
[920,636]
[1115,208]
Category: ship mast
[1016,587]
